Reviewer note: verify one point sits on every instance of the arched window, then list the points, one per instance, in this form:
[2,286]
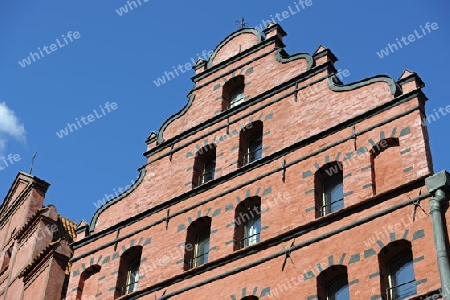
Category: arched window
[397,271]
[250,143]
[332,284]
[250,298]
[197,243]
[88,291]
[128,274]
[247,222]
[204,165]
[233,92]
[329,189]
[386,165]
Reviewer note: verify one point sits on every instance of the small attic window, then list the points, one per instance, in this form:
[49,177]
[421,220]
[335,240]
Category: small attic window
[233,92]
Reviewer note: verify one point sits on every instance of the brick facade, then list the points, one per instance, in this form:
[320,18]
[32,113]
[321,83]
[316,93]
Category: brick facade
[312,125]
[35,243]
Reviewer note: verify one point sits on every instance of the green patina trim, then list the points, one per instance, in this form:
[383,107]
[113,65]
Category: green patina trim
[354,258]
[369,252]
[217,212]
[319,267]
[98,294]
[265,228]
[229,207]
[102,278]
[75,273]
[106,260]
[366,186]
[307,174]
[308,275]
[267,191]
[310,209]
[268,117]
[362,150]
[229,242]
[214,231]
[336,87]
[380,244]
[366,168]
[348,156]
[115,255]
[341,261]
[417,259]
[405,131]
[405,151]
[422,281]
[373,275]
[348,194]
[405,235]
[311,191]
[312,297]
[376,297]
[181,227]
[418,234]
[408,169]
[392,236]
[282,57]
[346,176]
[353,282]
[330,260]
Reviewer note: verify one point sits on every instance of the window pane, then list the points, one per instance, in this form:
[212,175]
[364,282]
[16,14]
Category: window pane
[252,230]
[255,148]
[402,278]
[237,97]
[202,248]
[338,290]
[333,194]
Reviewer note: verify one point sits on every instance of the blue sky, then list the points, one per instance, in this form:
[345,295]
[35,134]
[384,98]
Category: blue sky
[110,64]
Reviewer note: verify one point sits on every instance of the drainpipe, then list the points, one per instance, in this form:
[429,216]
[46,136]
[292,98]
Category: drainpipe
[437,185]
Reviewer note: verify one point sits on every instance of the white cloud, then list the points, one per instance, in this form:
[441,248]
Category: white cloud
[10,126]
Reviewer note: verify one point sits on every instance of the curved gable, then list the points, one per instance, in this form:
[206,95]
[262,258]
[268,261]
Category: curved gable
[235,43]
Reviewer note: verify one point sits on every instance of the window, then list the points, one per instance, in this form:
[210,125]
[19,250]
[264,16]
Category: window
[247,223]
[338,289]
[204,165]
[233,92]
[237,97]
[332,283]
[397,271]
[402,284]
[250,298]
[197,243]
[250,143]
[201,248]
[128,275]
[333,194]
[329,189]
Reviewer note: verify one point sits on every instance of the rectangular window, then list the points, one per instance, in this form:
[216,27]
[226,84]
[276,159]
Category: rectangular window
[201,248]
[252,231]
[133,277]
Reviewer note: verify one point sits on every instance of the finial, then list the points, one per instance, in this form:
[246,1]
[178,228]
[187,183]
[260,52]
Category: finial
[241,23]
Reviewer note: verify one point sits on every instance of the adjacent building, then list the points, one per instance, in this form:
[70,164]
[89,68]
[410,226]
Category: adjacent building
[276,181]
[35,242]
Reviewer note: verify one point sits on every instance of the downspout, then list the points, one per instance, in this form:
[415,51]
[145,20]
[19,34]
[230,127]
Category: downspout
[438,184]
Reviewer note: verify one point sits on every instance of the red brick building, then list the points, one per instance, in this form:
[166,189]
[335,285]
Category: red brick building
[275,181]
[35,243]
